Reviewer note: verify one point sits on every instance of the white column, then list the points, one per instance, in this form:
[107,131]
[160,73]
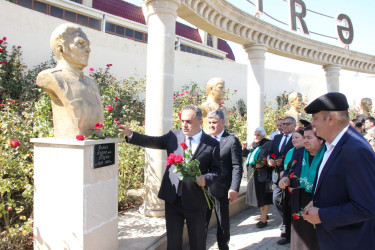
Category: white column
[75,204]
[255,88]
[332,77]
[161,20]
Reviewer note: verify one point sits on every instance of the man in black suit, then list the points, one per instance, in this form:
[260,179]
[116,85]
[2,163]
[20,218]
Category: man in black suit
[281,144]
[225,189]
[343,205]
[184,200]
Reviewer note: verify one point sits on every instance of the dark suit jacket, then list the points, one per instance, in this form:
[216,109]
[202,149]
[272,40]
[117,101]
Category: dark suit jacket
[345,195]
[207,154]
[275,149]
[231,167]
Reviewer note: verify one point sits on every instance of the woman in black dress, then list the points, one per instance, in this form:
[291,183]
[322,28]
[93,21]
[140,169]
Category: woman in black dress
[259,175]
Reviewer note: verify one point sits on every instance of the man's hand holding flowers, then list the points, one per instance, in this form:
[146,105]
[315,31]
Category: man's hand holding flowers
[313,214]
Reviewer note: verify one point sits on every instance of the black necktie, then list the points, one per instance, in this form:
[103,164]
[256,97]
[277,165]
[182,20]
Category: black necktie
[284,144]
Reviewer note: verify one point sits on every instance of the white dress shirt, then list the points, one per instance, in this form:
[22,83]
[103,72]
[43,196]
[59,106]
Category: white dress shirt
[330,148]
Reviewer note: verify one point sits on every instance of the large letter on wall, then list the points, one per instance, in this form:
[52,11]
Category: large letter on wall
[345,31]
[294,15]
[260,6]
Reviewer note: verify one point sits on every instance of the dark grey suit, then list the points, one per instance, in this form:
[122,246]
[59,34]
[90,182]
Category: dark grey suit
[231,174]
[192,204]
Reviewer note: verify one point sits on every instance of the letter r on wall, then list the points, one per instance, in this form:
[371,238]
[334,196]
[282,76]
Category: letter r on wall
[294,15]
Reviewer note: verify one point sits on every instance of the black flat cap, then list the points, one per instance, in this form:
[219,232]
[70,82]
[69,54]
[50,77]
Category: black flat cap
[332,101]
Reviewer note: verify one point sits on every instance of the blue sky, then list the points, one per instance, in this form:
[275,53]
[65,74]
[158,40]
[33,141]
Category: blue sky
[361,13]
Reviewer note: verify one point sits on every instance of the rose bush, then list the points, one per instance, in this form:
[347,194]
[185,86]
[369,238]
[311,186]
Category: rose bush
[25,112]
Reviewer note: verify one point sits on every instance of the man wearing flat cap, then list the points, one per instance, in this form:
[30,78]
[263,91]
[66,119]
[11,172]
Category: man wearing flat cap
[343,205]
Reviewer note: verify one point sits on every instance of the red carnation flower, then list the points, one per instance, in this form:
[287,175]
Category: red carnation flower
[178,159]
[184,146]
[98,125]
[116,98]
[295,216]
[109,107]
[291,176]
[273,155]
[14,143]
[80,137]
[290,190]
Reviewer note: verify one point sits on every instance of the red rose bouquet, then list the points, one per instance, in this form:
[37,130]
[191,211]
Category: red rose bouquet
[189,169]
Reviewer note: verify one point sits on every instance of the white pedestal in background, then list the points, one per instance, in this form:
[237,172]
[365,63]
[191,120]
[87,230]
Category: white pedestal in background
[75,205]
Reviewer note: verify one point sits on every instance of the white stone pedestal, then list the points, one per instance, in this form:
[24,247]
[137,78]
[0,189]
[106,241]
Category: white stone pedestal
[75,205]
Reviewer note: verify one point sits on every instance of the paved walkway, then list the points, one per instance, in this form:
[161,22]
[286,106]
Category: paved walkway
[245,235]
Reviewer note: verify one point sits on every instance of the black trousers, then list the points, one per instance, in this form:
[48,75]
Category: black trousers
[222,216]
[175,216]
[287,214]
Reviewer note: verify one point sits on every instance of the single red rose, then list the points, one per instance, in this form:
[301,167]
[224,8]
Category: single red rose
[1,50]
[291,176]
[14,143]
[295,216]
[1,41]
[19,47]
[265,161]
[169,161]
[184,146]
[178,159]
[109,107]
[4,38]
[294,161]
[273,155]
[290,190]
[80,137]
[179,116]
[91,69]
[307,212]
[116,98]
[98,125]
